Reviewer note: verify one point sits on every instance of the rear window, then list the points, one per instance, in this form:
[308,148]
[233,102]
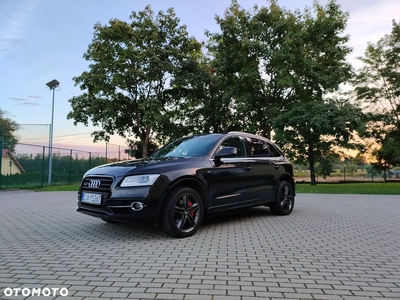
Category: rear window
[261,148]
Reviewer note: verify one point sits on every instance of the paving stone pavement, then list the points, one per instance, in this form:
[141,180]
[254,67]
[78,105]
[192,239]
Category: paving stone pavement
[330,247]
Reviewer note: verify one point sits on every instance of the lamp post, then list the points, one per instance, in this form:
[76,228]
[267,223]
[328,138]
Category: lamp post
[52,85]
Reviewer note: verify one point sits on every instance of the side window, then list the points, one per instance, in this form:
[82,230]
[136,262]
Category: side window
[258,148]
[236,142]
[274,151]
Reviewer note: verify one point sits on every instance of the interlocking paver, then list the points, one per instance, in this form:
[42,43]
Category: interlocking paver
[330,247]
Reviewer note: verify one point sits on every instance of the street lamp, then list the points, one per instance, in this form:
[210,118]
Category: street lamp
[52,85]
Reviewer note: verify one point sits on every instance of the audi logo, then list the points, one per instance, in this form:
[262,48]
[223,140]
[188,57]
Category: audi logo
[94,183]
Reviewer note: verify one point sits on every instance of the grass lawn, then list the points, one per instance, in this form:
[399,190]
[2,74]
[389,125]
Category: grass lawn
[373,188]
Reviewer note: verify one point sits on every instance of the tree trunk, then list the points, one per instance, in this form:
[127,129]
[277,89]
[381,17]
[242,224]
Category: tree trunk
[266,132]
[145,142]
[312,166]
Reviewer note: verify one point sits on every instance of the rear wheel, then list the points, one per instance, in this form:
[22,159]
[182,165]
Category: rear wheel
[183,212]
[284,199]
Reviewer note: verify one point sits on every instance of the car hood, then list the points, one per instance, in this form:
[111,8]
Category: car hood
[139,166]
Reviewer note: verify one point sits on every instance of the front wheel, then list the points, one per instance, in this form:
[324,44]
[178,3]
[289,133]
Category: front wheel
[183,212]
[284,199]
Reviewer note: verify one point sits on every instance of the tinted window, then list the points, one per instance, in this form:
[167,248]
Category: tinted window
[236,142]
[190,146]
[262,148]
[274,151]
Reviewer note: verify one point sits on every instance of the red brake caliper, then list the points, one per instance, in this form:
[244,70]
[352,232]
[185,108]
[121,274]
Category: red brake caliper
[190,204]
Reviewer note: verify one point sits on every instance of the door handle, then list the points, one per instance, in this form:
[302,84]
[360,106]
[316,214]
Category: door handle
[276,167]
[248,168]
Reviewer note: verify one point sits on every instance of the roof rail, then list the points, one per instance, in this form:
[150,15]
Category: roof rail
[248,134]
[236,132]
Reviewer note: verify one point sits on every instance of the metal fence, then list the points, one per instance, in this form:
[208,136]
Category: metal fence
[344,172]
[30,165]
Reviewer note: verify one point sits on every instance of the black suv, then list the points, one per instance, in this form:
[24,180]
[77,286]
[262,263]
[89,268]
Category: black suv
[188,178]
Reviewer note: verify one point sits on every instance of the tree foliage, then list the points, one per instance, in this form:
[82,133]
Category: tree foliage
[314,130]
[311,123]
[136,148]
[250,59]
[268,70]
[129,85]
[8,132]
[275,68]
[377,86]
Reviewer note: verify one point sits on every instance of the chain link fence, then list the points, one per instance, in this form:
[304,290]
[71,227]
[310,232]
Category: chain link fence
[345,172]
[28,165]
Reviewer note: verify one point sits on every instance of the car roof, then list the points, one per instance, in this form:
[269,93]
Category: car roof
[241,133]
[247,135]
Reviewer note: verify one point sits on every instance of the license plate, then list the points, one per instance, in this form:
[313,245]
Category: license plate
[91,198]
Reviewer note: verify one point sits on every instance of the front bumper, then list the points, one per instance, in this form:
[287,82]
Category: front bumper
[118,207]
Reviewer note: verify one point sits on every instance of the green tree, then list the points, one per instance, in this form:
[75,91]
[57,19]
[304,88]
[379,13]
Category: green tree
[209,108]
[229,56]
[8,132]
[311,131]
[200,108]
[377,87]
[136,148]
[388,155]
[250,58]
[130,88]
[311,123]
[277,67]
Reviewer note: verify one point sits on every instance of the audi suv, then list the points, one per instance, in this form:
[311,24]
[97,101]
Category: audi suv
[190,178]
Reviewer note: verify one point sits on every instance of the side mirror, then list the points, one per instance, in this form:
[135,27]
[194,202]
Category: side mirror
[226,152]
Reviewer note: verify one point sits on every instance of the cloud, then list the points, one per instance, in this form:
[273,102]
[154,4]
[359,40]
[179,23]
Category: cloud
[23,102]
[4,112]
[30,104]
[7,44]
[370,23]
[35,97]
[14,23]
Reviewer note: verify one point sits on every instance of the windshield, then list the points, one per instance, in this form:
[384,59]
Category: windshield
[188,147]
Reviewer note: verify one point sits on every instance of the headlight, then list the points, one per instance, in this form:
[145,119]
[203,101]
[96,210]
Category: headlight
[139,180]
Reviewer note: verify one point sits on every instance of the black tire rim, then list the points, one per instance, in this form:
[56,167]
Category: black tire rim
[286,198]
[187,213]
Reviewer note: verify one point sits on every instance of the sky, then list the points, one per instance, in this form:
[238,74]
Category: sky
[42,40]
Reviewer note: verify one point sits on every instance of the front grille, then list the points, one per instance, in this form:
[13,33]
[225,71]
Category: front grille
[103,185]
[97,183]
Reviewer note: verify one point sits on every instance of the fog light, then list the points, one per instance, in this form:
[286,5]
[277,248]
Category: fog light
[136,206]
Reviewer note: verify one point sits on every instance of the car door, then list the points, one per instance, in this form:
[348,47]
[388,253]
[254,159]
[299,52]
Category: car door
[232,177]
[267,167]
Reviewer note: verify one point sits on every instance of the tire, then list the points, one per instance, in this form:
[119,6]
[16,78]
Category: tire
[182,213]
[284,199]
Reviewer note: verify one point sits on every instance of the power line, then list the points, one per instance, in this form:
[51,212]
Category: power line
[68,135]
[58,136]
[72,134]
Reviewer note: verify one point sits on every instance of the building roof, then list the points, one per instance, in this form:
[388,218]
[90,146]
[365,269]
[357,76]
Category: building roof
[8,153]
